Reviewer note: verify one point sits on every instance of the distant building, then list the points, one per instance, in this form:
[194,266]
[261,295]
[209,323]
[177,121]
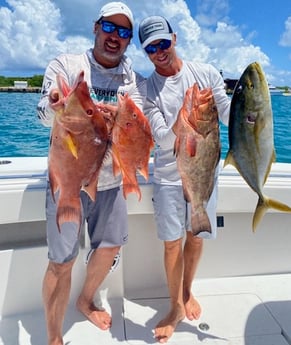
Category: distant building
[20,84]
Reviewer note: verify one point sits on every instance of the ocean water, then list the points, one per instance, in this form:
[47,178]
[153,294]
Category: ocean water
[22,135]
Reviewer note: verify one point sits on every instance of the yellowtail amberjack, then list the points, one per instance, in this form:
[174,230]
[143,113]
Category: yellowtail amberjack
[251,142]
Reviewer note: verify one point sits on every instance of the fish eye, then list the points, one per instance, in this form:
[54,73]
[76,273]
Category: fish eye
[89,112]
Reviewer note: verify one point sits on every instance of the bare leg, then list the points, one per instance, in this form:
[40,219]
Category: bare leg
[174,270]
[56,291]
[192,253]
[98,267]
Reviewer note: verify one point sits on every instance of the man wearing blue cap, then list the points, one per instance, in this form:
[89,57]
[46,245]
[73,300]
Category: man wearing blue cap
[166,89]
[108,72]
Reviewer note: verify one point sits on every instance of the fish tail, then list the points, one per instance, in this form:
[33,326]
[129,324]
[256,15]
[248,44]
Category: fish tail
[144,171]
[130,186]
[200,222]
[229,160]
[69,212]
[263,205]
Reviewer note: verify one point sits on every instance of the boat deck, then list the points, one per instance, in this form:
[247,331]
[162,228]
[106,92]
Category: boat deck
[254,310]
[243,280]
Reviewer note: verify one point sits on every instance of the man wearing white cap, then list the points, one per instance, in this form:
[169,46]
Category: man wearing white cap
[166,89]
[108,72]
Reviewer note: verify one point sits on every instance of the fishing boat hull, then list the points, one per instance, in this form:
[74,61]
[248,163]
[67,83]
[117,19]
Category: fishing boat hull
[243,282]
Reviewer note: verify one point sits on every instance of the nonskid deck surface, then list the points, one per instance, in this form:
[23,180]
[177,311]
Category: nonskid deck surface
[236,311]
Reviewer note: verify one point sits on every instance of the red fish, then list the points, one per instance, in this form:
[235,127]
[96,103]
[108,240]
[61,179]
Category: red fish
[79,143]
[132,143]
[197,148]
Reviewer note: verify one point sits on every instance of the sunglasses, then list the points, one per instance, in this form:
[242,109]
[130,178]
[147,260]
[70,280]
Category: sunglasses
[153,48]
[109,27]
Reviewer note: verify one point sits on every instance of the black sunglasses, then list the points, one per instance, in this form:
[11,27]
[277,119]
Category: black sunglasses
[153,48]
[109,27]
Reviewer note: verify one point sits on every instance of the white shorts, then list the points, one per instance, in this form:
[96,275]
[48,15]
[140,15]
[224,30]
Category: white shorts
[173,212]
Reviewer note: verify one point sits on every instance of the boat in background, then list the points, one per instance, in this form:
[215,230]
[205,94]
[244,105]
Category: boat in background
[275,91]
[243,282]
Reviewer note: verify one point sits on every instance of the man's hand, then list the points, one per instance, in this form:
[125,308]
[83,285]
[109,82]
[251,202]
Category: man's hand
[108,112]
[54,96]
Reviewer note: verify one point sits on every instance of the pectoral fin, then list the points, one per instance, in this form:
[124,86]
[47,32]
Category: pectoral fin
[71,145]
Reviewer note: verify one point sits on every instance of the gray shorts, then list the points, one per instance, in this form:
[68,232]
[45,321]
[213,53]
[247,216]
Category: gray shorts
[107,224]
[173,212]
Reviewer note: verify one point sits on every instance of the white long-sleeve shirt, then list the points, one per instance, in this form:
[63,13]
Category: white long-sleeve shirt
[165,96]
[104,84]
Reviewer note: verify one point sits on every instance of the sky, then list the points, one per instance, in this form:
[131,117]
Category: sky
[229,34]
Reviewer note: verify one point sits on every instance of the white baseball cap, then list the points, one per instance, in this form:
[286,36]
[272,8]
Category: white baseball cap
[113,8]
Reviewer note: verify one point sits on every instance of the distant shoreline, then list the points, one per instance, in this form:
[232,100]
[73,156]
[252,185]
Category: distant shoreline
[28,89]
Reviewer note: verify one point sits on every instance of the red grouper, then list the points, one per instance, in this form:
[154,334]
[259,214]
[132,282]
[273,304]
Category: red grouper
[197,148]
[79,142]
[132,143]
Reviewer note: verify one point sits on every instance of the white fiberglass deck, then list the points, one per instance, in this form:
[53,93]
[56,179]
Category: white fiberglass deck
[243,281]
[238,311]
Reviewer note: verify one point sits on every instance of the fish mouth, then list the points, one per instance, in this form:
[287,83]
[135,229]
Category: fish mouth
[251,118]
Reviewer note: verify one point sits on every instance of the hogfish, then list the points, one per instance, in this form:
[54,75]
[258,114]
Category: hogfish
[79,142]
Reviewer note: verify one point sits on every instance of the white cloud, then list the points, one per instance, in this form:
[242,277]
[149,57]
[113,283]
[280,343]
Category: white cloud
[209,12]
[285,40]
[32,32]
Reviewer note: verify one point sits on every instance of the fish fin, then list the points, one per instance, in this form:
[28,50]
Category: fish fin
[115,161]
[200,222]
[71,145]
[54,185]
[176,147]
[229,159]
[260,210]
[91,189]
[63,86]
[272,160]
[274,156]
[262,207]
[69,211]
[144,171]
[130,186]
[186,194]
[191,145]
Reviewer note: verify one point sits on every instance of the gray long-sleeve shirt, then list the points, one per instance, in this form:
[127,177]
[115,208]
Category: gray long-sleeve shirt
[104,84]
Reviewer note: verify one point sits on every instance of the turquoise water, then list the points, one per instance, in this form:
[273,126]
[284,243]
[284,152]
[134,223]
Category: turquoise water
[22,135]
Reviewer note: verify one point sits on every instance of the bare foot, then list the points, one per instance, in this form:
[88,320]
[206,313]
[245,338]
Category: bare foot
[192,308]
[98,316]
[166,327]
